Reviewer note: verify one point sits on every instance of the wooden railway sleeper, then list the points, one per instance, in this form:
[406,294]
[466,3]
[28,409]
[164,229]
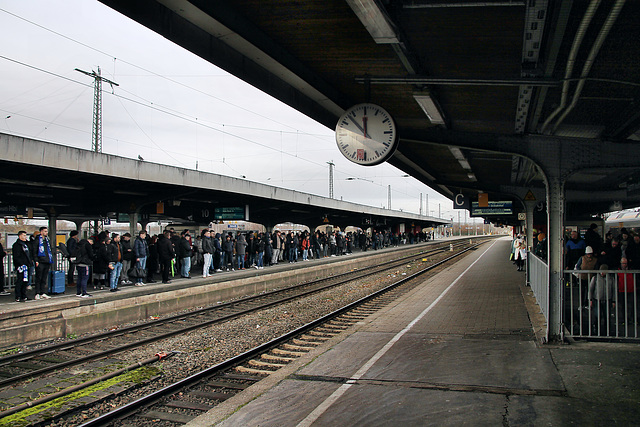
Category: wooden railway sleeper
[315,338]
[290,353]
[318,334]
[276,358]
[253,371]
[260,363]
[296,348]
[327,331]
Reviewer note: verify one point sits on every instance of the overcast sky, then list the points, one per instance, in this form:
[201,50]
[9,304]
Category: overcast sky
[170,107]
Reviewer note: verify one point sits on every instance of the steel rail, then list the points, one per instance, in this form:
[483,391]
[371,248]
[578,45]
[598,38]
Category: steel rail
[136,405]
[136,328]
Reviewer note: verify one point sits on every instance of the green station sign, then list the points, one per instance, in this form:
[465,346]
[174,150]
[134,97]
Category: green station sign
[232,213]
[494,208]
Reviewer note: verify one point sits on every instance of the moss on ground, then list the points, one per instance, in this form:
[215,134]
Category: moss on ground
[137,376]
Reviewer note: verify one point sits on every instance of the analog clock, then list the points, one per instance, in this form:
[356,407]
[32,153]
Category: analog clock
[366,134]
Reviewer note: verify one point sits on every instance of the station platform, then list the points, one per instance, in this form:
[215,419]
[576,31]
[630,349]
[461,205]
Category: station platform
[67,315]
[458,350]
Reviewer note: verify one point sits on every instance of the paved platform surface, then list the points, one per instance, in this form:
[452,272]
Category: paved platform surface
[459,350]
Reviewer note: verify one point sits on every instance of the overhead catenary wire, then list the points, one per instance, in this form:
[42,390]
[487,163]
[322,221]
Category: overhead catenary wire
[199,121]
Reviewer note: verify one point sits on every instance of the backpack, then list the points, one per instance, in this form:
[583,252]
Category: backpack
[76,254]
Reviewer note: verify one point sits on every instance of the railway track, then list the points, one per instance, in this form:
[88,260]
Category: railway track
[190,397]
[62,355]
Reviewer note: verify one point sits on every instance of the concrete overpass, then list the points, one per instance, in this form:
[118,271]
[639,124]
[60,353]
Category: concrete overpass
[68,183]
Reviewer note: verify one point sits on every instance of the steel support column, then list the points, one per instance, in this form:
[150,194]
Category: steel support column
[53,231]
[529,206]
[555,240]
[133,224]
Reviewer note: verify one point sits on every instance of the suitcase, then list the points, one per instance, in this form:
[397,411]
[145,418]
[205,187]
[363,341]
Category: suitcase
[56,282]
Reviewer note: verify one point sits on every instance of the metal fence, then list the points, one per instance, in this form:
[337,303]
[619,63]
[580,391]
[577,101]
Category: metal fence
[538,274]
[601,304]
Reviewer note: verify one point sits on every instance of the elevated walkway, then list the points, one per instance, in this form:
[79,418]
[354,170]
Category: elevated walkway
[459,350]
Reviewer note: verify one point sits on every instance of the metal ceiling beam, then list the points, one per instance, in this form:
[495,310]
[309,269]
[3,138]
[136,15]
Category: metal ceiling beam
[444,81]
[558,27]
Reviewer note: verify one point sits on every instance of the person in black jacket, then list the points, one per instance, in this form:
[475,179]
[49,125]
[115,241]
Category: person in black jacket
[165,255]
[207,250]
[127,256]
[101,263]
[152,264]
[115,261]
[72,243]
[22,261]
[83,262]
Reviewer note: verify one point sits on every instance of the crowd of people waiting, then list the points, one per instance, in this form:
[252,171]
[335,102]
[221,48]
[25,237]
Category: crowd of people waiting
[600,293]
[611,298]
[111,260]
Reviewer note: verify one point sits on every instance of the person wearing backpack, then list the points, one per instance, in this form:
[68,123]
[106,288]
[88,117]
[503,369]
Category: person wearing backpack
[72,245]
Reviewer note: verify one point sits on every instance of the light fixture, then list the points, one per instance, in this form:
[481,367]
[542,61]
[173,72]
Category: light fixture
[31,195]
[430,108]
[128,193]
[375,20]
[465,164]
[66,187]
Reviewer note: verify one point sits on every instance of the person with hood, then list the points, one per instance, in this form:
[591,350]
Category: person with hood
[84,262]
[22,261]
[241,251]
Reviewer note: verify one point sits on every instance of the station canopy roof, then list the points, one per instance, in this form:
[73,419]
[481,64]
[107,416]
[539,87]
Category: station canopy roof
[485,71]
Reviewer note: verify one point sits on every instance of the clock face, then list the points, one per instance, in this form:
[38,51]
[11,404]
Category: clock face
[366,134]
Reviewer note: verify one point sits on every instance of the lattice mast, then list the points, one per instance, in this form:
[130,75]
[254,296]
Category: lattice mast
[96,131]
[331,165]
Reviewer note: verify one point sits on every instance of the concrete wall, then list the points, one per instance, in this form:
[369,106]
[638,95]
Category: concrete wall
[58,318]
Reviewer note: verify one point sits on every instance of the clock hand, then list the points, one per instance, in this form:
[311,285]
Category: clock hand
[364,124]
[358,126]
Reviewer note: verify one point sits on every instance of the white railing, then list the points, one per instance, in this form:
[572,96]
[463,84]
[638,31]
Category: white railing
[538,272]
[601,304]
[61,263]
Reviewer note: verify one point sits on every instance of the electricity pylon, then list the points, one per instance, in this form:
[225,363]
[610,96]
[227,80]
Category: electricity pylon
[331,166]
[96,131]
